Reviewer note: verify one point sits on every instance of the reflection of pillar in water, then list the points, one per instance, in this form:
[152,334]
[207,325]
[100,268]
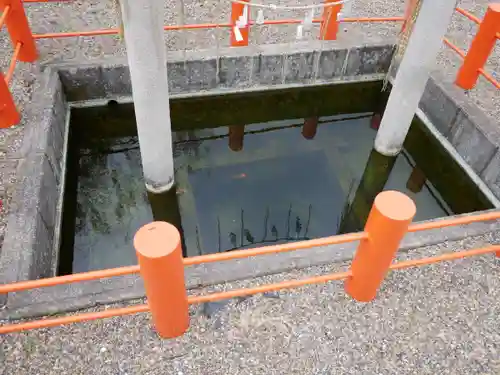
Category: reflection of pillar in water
[236,134]
[310,127]
[416,180]
[165,208]
[375,176]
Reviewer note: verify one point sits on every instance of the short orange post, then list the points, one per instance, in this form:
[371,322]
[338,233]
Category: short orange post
[239,35]
[8,113]
[480,49]
[158,249]
[330,23]
[390,216]
[236,136]
[19,29]
[310,127]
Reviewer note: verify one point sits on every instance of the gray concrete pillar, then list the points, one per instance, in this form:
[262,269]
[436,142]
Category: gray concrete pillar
[146,53]
[418,61]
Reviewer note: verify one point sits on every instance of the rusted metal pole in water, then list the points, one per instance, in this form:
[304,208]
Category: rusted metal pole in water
[236,136]
[310,127]
[146,53]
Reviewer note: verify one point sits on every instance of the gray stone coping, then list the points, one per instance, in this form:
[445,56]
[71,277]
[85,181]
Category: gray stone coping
[475,136]
[236,69]
[30,246]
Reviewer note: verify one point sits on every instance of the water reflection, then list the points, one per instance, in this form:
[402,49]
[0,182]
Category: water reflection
[280,188]
[241,187]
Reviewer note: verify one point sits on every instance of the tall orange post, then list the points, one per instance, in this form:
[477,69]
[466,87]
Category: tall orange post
[158,248]
[390,216]
[330,24]
[480,49]
[19,30]
[237,11]
[8,113]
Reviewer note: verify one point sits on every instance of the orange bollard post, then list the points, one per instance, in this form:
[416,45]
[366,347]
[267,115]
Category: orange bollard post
[158,249]
[239,35]
[19,30]
[480,49]
[310,127]
[8,113]
[390,216]
[330,23]
[236,135]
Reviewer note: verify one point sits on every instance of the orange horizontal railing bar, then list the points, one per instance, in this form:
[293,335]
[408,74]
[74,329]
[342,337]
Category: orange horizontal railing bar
[454,221]
[206,26]
[274,249]
[461,53]
[238,254]
[4,15]
[46,323]
[13,61]
[468,15]
[210,258]
[454,48]
[59,280]
[472,17]
[212,297]
[444,257]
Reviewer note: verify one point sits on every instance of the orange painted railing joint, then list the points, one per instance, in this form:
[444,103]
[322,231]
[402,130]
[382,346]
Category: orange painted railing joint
[330,21]
[19,29]
[473,18]
[480,49]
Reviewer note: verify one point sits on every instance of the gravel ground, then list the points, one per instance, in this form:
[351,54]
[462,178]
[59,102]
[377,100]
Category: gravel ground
[439,319]
[97,14]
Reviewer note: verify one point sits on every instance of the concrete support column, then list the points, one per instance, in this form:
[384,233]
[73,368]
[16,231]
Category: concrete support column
[146,53]
[417,62]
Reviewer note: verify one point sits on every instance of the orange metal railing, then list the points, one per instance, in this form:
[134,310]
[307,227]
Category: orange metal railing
[160,263]
[24,41]
[480,49]
[14,18]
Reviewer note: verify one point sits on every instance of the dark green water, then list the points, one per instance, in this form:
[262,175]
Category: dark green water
[279,187]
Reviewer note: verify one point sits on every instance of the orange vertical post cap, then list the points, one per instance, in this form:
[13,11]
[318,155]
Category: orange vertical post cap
[390,216]
[480,49]
[19,30]
[158,249]
[329,23]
